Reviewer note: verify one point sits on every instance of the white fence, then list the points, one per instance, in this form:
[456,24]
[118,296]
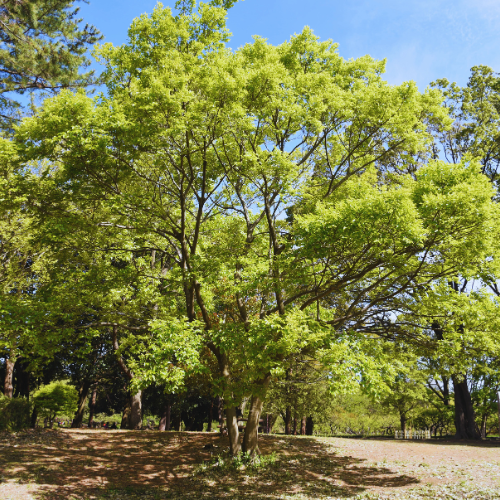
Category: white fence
[412,434]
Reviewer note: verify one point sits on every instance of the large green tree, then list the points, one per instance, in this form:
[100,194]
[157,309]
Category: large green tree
[271,202]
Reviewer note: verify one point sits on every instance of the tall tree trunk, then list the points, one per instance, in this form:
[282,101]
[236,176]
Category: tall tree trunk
[82,399]
[483,426]
[92,406]
[177,421]
[288,420]
[402,418]
[165,417]
[125,424]
[498,403]
[309,426]
[220,412]
[465,422]
[446,391]
[295,425]
[251,436]
[210,415]
[135,420]
[34,417]
[8,386]
[233,431]
[22,379]
[303,426]
[136,411]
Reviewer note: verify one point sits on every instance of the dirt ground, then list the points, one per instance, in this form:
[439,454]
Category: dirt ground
[95,464]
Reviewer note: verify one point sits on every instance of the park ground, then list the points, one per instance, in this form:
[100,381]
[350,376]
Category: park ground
[130,465]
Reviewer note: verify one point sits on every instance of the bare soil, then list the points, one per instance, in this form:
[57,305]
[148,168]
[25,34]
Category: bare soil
[98,464]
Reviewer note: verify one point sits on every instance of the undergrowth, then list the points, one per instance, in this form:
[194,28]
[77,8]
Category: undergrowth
[243,462]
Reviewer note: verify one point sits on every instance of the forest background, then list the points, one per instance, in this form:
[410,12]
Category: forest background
[271,231]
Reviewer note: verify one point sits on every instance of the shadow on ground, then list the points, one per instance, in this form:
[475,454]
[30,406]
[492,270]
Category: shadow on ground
[84,464]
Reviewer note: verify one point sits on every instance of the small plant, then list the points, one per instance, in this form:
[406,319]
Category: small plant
[224,463]
[14,414]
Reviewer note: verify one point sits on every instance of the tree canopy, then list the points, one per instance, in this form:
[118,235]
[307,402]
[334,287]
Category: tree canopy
[228,213]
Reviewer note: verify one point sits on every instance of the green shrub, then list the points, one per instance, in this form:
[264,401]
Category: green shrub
[56,398]
[14,414]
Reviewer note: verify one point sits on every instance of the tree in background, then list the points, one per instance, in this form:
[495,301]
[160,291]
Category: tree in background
[55,399]
[42,46]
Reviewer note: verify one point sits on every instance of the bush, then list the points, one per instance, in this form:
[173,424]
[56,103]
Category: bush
[14,414]
[54,399]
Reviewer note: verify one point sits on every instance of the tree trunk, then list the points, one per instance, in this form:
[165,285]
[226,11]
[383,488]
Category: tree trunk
[309,426]
[232,431]
[220,412]
[125,424]
[210,415]
[446,391]
[165,418]
[177,421]
[498,403]
[295,425]
[465,422]
[402,417]
[82,399]
[34,417]
[288,420]
[92,407]
[8,386]
[303,426]
[483,426]
[136,411]
[250,439]
[22,379]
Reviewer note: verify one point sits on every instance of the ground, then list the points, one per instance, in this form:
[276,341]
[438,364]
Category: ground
[126,465]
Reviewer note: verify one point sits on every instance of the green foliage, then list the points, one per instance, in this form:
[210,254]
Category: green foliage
[14,414]
[42,46]
[222,464]
[56,398]
[235,212]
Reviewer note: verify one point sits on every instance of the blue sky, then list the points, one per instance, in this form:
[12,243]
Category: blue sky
[421,39]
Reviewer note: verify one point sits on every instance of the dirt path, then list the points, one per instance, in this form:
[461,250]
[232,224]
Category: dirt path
[88,464]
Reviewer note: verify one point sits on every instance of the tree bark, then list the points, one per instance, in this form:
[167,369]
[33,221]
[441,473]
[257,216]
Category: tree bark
[446,391]
[125,424]
[465,422]
[210,415]
[232,431]
[251,436]
[92,407]
[498,403]
[288,420]
[82,399]
[22,379]
[295,425]
[402,417]
[177,421]
[165,418]
[136,411]
[483,426]
[303,426]
[34,417]
[309,426]
[8,386]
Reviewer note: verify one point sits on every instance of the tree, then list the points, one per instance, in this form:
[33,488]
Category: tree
[55,399]
[42,46]
[270,202]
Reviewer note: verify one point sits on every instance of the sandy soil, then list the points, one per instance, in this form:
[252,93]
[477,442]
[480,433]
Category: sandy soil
[91,464]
